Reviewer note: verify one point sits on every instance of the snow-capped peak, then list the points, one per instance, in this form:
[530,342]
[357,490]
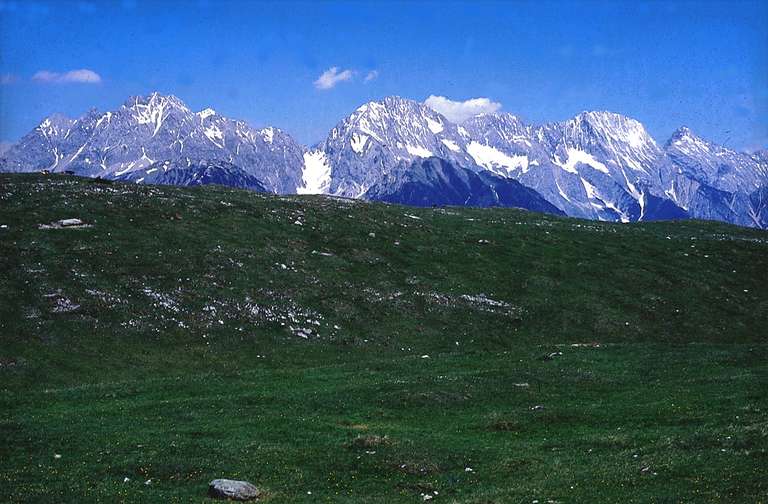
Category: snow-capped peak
[498,126]
[381,135]
[391,120]
[154,108]
[495,117]
[683,133]
[396,107]
[686,140]
[268,134]
[616,127]
[207,112]
[54,125]
[155,99]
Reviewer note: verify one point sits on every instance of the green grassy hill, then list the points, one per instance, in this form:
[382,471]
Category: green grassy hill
[339,351]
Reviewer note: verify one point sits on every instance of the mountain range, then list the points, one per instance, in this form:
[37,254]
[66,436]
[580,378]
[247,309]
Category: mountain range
[597,165]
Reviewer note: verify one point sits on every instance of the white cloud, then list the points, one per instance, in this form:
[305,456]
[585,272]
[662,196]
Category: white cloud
[5,146]
[46,76]
[83,76]
[458,111]
[331,77]
[372,75]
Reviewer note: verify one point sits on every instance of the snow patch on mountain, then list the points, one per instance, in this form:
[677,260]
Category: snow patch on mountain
[496,161]
[106,117]
[215,135]
[418,151]
[576,156]
[316,176]
[434,126]
[357,142]
[268,134]
[599,202]
[153,112]
[451,145]
[208,112]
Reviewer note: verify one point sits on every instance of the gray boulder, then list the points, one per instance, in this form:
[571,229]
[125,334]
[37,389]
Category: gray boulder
[233,490]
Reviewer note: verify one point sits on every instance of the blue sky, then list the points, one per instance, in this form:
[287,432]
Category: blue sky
[667,64]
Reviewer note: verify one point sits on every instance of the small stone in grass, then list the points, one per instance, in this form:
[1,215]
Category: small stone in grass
[70,222]
[233,489]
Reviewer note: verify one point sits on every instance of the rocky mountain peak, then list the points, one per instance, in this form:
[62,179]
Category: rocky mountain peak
[613,127]
[55,124]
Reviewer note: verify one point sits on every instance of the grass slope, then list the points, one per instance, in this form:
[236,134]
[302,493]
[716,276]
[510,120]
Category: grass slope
[338,351]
